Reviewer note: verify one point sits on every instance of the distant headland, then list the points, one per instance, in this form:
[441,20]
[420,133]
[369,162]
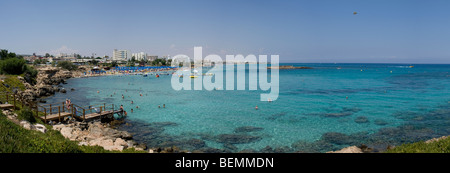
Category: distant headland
[289,67]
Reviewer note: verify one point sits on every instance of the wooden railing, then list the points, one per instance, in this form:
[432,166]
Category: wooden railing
[45,110]
[7,97]
[51,109]
[81,112]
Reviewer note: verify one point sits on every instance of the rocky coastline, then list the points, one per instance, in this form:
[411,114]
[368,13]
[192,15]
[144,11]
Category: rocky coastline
[95,133]
[47,83]
[98,134]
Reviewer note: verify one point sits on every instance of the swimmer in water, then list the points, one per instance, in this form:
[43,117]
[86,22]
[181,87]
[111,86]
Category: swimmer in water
[131,110]
[98,91]
[131,101]
[159,106]
[256,107]
[346,97]
[164,105]
[137,107]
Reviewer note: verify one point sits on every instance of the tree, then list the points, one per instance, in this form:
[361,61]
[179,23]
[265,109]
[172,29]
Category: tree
[5,55]
[113,64]
[47,55]
[94,62]
[13,66]
[142,61]
[40,61]
[67,65]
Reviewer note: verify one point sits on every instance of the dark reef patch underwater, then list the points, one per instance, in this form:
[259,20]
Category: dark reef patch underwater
[416,127]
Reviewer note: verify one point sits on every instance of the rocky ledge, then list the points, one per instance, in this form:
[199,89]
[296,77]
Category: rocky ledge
[47,83]
[98,134]
[354,149]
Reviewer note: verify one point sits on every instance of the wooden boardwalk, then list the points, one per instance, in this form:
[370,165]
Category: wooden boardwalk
[8,100]
[94,115]
[6,106]
[56,112]
[57,116]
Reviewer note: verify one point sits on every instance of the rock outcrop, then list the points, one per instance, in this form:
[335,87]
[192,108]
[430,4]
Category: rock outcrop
[47,83]
[97,134]
[352,149]
[436,139]
[25,124]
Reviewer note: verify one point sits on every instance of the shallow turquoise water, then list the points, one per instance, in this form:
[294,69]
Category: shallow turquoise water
[312,104]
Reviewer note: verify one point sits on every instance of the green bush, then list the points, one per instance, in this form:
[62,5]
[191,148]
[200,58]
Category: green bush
[30,75]
[441,146]
[26,114]
[67,65]
[13,66]
[15,139]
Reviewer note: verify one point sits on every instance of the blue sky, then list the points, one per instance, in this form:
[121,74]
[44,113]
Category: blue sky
[383,31]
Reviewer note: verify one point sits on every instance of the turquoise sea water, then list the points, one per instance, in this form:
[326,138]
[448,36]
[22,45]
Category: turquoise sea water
[321,109]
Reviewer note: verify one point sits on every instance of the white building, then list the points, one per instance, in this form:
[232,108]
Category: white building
[152,57]
[121,55]
[139,56]
[66,56]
